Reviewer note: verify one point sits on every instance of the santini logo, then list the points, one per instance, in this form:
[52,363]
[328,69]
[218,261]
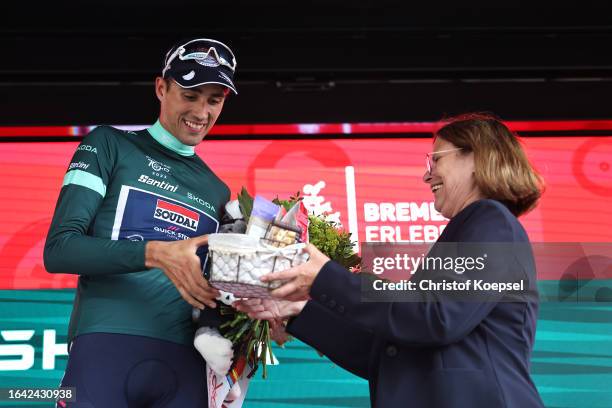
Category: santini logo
[160,184]
[177,215]
[79,165]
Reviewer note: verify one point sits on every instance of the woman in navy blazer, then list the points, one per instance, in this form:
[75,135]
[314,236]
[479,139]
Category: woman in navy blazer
[436,352]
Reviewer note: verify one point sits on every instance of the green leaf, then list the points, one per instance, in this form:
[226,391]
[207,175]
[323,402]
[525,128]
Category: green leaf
[245,201]
[332,241]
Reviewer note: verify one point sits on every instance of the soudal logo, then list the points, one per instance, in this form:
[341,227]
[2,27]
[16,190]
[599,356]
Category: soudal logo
[177,215]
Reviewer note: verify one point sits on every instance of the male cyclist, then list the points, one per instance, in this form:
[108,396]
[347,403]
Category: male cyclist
[132,220]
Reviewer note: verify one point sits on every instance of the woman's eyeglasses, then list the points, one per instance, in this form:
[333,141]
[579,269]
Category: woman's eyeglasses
[430,156]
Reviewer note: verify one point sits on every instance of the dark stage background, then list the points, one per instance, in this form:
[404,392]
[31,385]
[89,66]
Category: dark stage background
[69,62]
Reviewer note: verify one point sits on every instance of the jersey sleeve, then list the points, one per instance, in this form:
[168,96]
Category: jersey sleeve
[69,248]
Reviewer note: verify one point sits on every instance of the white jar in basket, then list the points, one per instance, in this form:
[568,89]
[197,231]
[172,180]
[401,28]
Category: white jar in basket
[239,260]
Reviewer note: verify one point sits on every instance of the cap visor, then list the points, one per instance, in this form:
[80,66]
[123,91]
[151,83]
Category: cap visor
[193,78]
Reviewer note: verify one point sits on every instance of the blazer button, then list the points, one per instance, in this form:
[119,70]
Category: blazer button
[341,309]
[391,351]
[323,298]
[331,303]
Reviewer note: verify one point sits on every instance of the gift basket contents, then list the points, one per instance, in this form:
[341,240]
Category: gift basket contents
[257,237]
[273,241]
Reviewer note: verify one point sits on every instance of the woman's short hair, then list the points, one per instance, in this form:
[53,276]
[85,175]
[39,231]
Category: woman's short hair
[502,171]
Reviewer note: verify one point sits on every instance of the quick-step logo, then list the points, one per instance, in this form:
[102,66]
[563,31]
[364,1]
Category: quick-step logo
[177,215]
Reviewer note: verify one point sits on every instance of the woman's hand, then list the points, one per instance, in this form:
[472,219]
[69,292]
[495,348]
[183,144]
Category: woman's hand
[297,281]
[278,332]
[273,310]
[269,309]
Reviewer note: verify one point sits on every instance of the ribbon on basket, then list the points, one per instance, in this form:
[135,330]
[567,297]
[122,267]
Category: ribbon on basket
[288,252]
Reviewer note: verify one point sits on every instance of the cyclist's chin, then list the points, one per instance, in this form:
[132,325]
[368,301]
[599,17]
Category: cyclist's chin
[190,137]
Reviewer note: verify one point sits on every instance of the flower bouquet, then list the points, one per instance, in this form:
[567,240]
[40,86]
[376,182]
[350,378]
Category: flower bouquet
[258,237]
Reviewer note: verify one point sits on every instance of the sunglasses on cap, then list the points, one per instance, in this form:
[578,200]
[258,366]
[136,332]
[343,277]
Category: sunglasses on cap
[200,50]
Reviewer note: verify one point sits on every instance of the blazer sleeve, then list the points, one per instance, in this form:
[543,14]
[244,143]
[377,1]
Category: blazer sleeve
[426,319]
[341,341]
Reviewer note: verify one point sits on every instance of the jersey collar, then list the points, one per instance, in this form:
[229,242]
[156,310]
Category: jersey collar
[166,139]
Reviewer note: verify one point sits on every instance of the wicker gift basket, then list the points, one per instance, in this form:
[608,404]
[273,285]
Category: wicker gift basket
[239,260]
